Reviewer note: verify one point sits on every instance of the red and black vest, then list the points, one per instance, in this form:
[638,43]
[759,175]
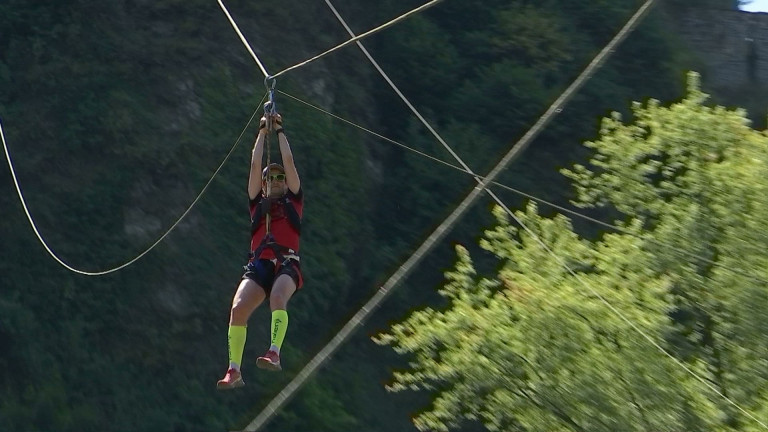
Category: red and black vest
[285,225]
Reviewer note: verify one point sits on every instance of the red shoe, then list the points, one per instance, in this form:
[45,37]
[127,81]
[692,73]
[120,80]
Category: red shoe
[231,380]
[269,361]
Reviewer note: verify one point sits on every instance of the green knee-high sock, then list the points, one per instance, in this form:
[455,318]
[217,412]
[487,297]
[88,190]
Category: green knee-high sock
[236,336]
[279,326]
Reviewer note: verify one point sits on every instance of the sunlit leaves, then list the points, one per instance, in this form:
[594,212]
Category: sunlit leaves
[644,329]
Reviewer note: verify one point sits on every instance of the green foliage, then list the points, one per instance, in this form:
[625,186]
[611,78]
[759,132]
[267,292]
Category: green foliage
[531,36]
[535,348]
[608,335]
[695,174]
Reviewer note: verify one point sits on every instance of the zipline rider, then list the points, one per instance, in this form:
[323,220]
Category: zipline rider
[273,269]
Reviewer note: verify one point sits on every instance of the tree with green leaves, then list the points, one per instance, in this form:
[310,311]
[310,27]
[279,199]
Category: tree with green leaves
[695,176]
[643,329]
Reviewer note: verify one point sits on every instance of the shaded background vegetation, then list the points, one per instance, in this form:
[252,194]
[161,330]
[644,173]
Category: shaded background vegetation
[117,114]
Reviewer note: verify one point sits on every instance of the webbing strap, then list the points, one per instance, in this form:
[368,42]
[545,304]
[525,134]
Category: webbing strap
[282,253]
[264,207]
[270,110]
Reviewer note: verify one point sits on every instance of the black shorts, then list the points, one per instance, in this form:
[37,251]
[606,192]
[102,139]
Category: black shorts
[264,272]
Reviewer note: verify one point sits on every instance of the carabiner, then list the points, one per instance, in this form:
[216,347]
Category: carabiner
[269,83]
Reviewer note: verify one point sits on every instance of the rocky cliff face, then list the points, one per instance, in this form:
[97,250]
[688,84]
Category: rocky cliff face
[732,45]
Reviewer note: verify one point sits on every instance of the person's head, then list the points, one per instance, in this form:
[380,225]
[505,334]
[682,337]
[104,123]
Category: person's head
[273,175]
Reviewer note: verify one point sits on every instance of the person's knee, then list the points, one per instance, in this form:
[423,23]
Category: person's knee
[281,293]
[241,310]
[279,300]
[239,313]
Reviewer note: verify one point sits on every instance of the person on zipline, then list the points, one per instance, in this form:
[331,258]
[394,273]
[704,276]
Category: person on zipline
[276,205]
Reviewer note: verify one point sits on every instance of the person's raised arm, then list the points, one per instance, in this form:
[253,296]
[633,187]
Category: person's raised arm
[254,179]
[292,180]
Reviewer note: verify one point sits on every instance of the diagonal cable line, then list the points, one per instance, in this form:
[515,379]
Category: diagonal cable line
[448,223]
[242,38]
[406,101]
[357,38]
[376,134]
[323,54]
[146,251]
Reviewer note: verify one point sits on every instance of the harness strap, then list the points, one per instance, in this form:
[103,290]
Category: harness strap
[282,253]
[264,206]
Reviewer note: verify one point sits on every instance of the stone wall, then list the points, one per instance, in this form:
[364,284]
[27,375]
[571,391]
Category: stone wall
[732,45]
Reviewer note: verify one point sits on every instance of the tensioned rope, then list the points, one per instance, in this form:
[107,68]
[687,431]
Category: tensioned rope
[572,212]
[162,237]
[324,53]
[361,36]
[242,38]
[408,103]
[433,238]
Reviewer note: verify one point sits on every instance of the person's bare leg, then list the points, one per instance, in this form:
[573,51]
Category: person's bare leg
[248,297]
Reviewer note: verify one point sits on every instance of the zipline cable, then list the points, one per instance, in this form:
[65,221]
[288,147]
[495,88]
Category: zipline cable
[324,53]
[162,237]
[242,38]
[376,134]
[440,231]
[406,101]
[270,110]
[361,36]
[413,109]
